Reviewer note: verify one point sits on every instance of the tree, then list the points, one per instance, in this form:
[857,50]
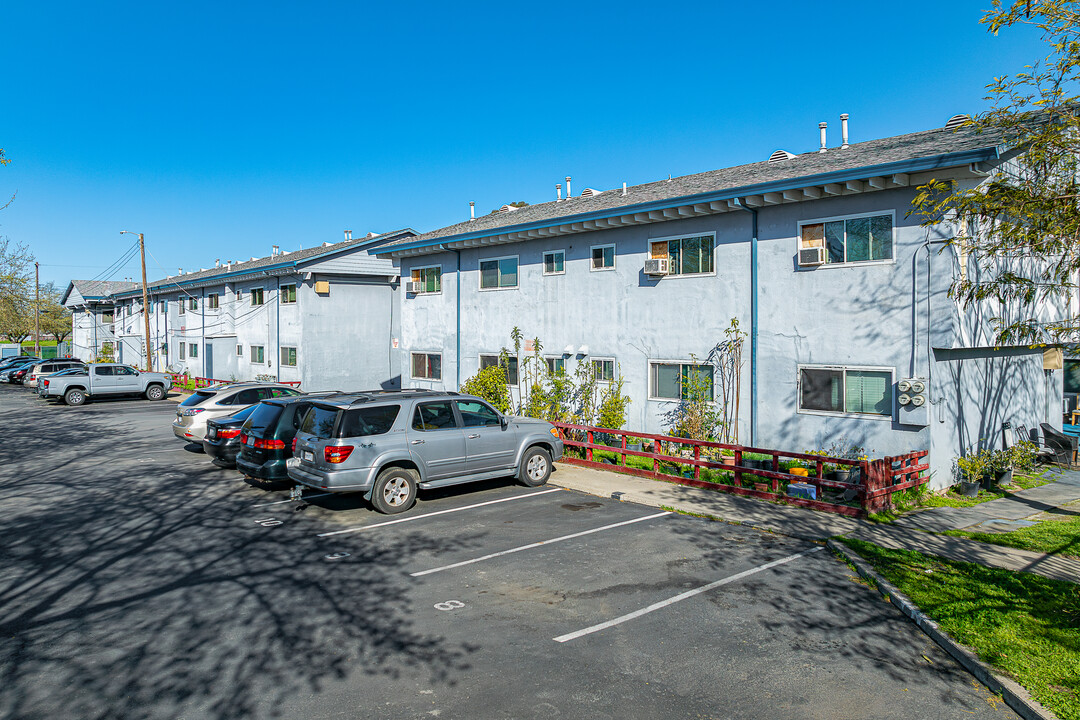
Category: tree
[55,319]
[16,320]
[1018,232]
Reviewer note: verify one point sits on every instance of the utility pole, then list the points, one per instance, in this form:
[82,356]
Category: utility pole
[145,304]
[37,312]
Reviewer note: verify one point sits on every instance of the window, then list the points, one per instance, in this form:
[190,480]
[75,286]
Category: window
[434,416]
[257,354]
[554,262]
[107,316]
[846,390]
[288,294]
[106,371]
[688,255]
[183,348]
[124,370]
[604,369]
[677,381]
[288,357]
[428,278]
[487,361]
[603,257]
[499,273]
[477,414]
[556,365]
[193,350]
[362,422]
[181,305]
[239,351]
[193,304]
[850,240]
[427,366]
[213,301]
[256,296]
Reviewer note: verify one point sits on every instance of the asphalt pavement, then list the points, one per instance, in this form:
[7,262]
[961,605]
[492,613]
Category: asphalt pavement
[143,582]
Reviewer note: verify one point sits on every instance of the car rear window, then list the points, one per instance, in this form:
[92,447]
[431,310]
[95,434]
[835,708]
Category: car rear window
[369,421]
[264,418]
[320,421]
[197,398]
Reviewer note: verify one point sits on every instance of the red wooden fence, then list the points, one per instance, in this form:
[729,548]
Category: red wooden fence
[182,379]
[873,485]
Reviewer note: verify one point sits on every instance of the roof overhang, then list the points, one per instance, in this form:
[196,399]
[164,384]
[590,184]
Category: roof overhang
[851,181]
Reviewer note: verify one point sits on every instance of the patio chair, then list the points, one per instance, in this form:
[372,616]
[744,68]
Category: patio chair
[1064,446]
[1045,454]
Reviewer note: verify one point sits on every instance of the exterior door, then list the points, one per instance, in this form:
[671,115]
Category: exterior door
[436,441]
[487,445]
[208,350]
[126,380]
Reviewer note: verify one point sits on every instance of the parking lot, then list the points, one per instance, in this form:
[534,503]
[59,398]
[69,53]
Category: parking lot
[141,581]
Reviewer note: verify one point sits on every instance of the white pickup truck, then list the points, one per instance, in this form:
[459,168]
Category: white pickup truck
[104,380]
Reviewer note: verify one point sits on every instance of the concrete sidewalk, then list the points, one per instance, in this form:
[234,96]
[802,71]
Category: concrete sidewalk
[914,532]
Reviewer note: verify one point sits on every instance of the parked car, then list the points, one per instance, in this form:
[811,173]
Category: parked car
[266,438]
[222,441]
[43,380]
[220,400]
[10,362]
[387,444]
[48,367]
[107,380]
[15,373]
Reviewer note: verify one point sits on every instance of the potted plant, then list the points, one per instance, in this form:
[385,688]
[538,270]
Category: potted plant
[972,467]
[1001,468]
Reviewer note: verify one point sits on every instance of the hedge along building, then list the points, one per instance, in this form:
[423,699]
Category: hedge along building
[92,315]
[844,296]
[322,316]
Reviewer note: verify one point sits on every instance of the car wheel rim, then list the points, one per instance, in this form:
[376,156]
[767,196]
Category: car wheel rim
[537,467]
[396,492]
[76,397]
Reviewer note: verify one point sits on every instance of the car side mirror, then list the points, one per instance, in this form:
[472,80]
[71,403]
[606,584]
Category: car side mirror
[504,421]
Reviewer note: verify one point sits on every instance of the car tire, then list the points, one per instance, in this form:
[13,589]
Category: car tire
[535,467]
[155,392]
[75,397]
[394,491]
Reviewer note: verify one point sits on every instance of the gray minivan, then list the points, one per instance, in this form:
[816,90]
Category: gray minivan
[387,444]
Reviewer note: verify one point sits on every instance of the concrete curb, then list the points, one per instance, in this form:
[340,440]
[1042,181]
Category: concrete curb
[1015,696]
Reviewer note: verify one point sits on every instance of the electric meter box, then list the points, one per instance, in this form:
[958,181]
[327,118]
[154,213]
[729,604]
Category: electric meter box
[913,401]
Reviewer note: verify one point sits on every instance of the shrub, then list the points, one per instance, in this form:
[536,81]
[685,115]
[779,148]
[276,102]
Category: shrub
[490,384]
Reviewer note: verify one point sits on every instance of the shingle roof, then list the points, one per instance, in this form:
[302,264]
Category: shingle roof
[926,144]
[101,288]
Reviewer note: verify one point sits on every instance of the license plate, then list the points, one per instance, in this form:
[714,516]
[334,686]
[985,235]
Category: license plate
[250,442]
[307,455]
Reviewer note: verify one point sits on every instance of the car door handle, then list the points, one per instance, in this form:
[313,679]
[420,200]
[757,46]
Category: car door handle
[417,442]
[474,436]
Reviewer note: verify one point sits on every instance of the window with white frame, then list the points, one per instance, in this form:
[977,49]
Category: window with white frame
[256,296]
[487,361]
[193,303]
[107,316]
[855,239]
[213,301]
[603,257]
[181,305]
[499,273]
[555,262]
[239,351]
[846,390]
[183,351]
[193,350]
[680,380]
[604,369]
[288,294]
[427,366]
[258,354]
[691,255]
[427,279]
[288,357]
[556,365]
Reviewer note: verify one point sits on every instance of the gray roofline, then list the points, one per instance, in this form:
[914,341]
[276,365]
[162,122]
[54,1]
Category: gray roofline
[913,165]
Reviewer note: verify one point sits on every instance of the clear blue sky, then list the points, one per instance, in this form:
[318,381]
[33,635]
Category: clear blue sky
[220,129]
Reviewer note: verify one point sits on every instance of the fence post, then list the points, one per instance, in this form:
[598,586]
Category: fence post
[697,456]
[589,441]
[875,480]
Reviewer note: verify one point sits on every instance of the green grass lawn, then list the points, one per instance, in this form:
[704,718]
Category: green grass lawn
[1026,626]
[1057,533]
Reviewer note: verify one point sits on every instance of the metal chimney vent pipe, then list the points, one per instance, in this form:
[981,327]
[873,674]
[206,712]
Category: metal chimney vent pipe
[568,193]
[558,191]
[472,210]
[843,130]
[822,126]
[348,235]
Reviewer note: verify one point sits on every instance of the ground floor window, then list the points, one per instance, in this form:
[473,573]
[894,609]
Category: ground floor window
[183,351]
[239,351]
[846,390]
[288,357]
[258,354]
[604,369]
[487,361]
[193,350]
[556,365]
[427,366]
[679,381]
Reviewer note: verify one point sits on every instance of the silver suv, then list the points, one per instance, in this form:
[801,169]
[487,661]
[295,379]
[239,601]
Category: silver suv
[218,401]
[388,443]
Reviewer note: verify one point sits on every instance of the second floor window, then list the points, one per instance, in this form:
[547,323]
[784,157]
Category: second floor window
[288,294]
[498,273]
[429,279]
[256,296]
[850,240]
[213,301]
[687,255]
[193,304]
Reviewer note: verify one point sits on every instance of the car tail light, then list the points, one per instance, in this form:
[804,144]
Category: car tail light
[337,453]
[243,439]
[188,412]
[294,446]
[46,383]
[262,444]
[228,432]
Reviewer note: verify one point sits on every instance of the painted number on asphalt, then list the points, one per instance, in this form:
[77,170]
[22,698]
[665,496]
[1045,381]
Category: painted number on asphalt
[336,556]
[268,522]
[449,605]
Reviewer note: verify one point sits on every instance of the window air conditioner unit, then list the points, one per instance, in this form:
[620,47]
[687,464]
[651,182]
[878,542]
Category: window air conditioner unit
[809,257]
[659,266]
[414,287]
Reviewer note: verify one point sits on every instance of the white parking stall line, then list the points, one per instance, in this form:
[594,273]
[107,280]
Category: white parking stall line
[282,502]
[440,512]
[682,596]
[537,544]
